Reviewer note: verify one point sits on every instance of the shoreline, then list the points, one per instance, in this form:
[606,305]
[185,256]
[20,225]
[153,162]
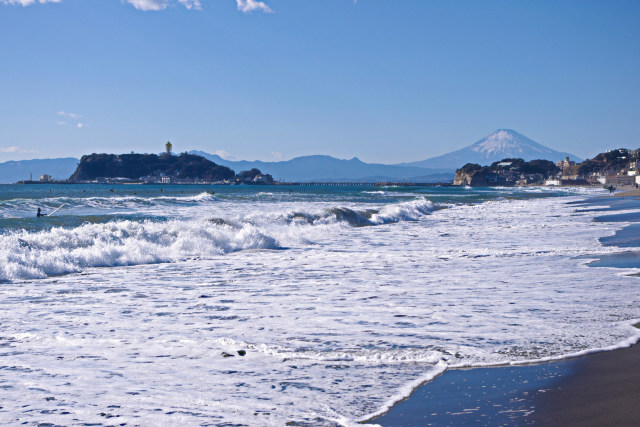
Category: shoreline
[567,391]
[604,390]
[627,193]
[574,390]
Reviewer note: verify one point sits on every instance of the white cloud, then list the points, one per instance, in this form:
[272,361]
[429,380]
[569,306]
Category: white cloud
[73,119]
[15,150]
[163,4]
[191,4]
[10,149]
[224,154]
[276,155]
[138,4]
[247,6]
[149,4]
[27,2]
[70,115]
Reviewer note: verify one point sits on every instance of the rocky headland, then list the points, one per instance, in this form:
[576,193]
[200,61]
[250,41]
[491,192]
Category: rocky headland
[165,168]
[506,172]
[614,167]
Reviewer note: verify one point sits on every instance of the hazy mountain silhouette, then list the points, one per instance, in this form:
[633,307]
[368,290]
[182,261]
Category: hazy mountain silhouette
[503,143]
[14,171]
[326,168]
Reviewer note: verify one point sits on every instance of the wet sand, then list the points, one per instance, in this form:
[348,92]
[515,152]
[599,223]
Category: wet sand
[605,387]
[604,390]
[593,390]
[630,192]
[599,389]
[479,396]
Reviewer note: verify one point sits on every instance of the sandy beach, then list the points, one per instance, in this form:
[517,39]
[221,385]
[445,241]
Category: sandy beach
[597,389]
[604,390]
[631,192]
[593,390]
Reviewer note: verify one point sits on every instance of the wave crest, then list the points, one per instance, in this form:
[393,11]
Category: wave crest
[60,250]
[406,211]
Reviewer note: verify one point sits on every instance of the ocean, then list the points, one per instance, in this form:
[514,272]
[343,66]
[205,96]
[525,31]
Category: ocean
[298,305]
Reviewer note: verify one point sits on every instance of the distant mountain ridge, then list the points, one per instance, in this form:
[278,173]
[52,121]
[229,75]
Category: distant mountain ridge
[318,168]
[501,144]
[322,168]
[14,171]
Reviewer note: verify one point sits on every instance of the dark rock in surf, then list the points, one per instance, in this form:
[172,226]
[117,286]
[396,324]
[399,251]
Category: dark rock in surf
[254,176]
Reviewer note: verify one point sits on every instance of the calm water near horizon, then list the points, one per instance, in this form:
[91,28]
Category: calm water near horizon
[246,305]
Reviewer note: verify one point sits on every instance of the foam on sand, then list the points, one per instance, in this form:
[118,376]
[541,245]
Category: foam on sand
[335,327]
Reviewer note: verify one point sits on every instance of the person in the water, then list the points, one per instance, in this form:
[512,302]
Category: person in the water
[40,213]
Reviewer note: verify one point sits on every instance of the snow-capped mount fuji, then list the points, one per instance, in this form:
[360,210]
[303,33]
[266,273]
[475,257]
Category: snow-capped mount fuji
[501,144]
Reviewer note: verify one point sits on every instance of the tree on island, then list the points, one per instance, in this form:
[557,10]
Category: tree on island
[168,147]
[136,166]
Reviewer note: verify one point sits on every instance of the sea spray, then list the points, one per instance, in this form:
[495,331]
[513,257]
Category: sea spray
[335,327]
[60,250]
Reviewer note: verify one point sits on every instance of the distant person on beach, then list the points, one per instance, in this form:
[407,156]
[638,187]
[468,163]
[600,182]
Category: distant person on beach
[40,213]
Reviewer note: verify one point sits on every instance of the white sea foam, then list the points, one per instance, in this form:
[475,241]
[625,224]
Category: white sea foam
[337,327]
[408,211]
[29,255]
[107,204]
[26,255]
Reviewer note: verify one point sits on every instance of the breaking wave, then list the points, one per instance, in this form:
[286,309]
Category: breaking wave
[10,207]
[407,211]
[62,250]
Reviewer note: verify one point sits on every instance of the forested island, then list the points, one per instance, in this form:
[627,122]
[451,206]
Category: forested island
[165,168]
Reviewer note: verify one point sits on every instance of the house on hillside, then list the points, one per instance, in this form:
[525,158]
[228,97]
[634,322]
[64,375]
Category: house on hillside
[565,164]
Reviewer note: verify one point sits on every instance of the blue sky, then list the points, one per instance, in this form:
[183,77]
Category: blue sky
[386,81]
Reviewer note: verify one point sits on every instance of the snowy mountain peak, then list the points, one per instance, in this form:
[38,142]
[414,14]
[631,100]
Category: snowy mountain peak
[508,143]
[501,144]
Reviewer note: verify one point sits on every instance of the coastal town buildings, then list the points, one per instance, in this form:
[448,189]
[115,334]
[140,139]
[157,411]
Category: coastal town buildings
[617,180]
[564,164]
[620,167]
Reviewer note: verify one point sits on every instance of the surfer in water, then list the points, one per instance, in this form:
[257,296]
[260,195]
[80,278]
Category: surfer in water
[39,214]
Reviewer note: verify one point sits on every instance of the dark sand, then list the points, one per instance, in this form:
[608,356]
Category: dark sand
[604,391]
[628,193]
[478,397]
[601,389]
